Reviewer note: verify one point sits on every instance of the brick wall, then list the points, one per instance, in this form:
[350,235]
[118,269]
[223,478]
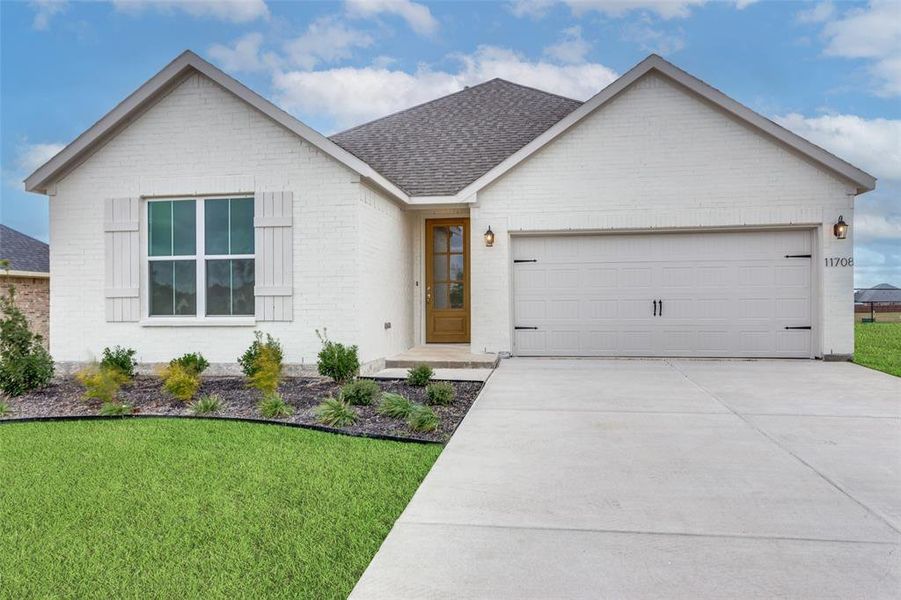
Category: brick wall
[659,157]
[202,140]
[33,299]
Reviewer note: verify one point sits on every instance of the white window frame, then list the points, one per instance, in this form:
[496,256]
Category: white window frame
[199,318]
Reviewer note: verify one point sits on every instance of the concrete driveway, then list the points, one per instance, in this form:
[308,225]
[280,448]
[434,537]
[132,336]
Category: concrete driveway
[659,479]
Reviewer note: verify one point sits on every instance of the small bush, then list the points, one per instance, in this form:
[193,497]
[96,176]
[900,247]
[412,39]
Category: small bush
[249,360]
[267,370]
[335,413]
[419,375]
[4,408]
[395,406]
[101,383]
[121,359]
[336,360]
[273,406]
[442,392]
[207,404]
[114,409]
[361,392]
[194,362]
[25,364]
[422,418]
[180,382]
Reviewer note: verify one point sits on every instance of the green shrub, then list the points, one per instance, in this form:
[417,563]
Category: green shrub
[335,413]
[4,408]
[114,409]
[360,392]
[249,359]
[207,404]
[180,382]
[24,363]
[267,372]
[395,406]
[273,406]
[419,375]
[422,418]
[121,359]
[194,362]
[101,383]
[336,360]
[442,392]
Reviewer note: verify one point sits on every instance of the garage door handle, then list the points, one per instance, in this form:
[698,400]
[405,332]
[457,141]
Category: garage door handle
[655,308]
[661,308]
[804,327]
[518,328]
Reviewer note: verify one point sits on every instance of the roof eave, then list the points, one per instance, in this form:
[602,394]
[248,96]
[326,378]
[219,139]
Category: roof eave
[863,181]
[158,84]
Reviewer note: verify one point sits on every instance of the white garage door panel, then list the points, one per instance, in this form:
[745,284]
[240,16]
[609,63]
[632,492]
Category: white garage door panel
[724,294]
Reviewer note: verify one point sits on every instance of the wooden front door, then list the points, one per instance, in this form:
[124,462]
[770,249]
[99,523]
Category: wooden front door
[447,280]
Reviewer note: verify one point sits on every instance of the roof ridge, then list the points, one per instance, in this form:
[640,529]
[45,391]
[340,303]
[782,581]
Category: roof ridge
[535,89]
[409,108]
[17,232]
[465,89]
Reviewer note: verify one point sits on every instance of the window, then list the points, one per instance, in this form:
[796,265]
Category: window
[201,257]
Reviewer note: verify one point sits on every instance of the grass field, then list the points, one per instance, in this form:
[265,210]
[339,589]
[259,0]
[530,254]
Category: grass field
[195,509]
[878,346]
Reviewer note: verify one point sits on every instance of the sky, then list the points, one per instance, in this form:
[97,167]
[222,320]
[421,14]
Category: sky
[830,71]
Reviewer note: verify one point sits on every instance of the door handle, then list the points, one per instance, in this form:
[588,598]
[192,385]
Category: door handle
[655,308]
[661,308]
[428,295]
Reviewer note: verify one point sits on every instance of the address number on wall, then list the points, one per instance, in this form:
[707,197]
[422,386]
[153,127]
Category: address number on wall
[839,262]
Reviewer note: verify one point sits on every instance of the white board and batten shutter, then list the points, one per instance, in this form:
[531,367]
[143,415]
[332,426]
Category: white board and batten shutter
[274,246]
[121,239]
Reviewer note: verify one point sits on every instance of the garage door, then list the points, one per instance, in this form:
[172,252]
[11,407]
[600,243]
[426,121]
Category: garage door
[735,294]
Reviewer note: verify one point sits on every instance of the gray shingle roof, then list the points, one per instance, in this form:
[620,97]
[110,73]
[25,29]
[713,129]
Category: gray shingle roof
[883,292]
[23,252]
[440,147]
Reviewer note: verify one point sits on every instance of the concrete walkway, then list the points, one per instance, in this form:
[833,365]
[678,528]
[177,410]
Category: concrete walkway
[659,479]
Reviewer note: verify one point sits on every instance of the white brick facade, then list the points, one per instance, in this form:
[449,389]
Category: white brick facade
[658,157]
[199,140]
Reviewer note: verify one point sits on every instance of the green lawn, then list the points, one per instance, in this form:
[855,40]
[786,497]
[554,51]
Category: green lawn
[878,346]
[195,509]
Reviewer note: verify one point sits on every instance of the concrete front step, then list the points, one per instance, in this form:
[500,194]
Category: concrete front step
[442,356]
[438,375]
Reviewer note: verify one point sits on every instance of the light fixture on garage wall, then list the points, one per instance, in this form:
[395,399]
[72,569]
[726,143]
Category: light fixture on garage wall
[840,229]
[489,237]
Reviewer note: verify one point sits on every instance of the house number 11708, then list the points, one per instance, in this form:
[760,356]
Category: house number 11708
[839,262]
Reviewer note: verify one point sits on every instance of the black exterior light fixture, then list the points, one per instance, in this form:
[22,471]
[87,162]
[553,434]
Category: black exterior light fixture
[489,237]
[840,229]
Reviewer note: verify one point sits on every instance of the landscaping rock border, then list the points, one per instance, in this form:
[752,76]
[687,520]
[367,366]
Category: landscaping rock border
[63,400]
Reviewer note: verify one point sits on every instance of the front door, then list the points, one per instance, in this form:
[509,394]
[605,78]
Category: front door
[447,280]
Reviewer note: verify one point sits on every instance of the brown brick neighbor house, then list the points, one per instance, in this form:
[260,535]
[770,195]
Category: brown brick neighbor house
[29,271]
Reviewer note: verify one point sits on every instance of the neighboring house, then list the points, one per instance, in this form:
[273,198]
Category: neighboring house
[28,270]
[659,218]
[884,298]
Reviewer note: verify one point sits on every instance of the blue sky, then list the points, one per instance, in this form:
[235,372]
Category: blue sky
[831,71]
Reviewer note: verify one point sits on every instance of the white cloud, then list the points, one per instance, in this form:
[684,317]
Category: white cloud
[818,14]
[234,11]
[326,40]
[871,144]
[743,4]
[31,156]
[244,55]
[535,9]
[572,49]
[417,16]
[872,33]
[351,95]
[652,39]
[44,11]
[665,9]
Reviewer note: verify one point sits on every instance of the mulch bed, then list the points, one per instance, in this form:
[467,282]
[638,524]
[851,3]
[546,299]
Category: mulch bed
[64,398]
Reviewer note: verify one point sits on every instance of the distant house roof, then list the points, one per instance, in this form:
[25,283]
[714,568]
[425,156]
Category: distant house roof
[440,147]
[883,292]
[23,252]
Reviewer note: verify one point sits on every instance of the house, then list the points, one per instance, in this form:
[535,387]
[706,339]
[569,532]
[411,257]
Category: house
[659,218]
[27,270]
[884,295]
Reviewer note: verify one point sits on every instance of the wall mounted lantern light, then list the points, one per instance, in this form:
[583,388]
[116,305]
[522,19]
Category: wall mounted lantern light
[840,229]
[489,237]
